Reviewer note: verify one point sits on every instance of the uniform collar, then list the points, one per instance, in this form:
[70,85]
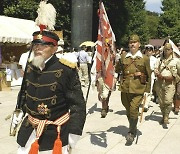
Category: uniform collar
[169,58]
[137,54]
[50,61]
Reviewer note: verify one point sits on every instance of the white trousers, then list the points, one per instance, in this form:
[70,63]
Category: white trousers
[25,150]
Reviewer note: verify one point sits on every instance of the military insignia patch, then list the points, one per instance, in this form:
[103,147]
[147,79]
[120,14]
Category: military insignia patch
[42,109]
[39,36]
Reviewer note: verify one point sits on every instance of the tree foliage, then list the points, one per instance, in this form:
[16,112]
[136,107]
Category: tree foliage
[152,19]
[126,18]
[137,19]
[117,14]
[63,19]
[25,9]
[169,24]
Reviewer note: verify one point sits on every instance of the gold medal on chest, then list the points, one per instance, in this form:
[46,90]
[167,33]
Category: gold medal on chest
[42,109]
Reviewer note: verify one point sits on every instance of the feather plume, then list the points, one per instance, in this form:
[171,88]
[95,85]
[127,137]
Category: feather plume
[46,16]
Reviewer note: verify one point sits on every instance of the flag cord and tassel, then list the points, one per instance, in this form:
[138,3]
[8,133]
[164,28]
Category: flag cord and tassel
[57,149]
[34,147]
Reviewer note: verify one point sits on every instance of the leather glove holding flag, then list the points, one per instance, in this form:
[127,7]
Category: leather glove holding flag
[105,49]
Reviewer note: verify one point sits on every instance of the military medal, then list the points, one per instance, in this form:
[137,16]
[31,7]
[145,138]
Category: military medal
[42,109]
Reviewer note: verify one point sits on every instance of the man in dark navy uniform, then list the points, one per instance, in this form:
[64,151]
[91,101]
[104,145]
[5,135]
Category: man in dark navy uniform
[53,103]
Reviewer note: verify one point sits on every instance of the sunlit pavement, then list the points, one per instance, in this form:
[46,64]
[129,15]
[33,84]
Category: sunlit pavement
[105,135]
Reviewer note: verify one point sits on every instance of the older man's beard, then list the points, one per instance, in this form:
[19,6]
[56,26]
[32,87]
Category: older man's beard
[38,61]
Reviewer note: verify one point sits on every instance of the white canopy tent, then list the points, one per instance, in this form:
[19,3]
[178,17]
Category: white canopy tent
[15,30]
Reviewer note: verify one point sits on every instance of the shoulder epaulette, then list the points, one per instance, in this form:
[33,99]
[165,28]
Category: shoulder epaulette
[68,63]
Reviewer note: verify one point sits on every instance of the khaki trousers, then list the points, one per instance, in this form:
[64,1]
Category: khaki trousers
[83,74]
[165,92]
[131,102]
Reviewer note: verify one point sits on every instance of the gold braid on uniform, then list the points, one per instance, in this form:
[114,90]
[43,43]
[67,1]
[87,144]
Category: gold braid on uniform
[41,85]
[40,99]
[68,63]
[45,72]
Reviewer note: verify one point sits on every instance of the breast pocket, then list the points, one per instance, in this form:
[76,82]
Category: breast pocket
[140,67]
[126,63]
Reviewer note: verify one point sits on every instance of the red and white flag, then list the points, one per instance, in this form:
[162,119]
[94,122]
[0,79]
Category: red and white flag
[105,49]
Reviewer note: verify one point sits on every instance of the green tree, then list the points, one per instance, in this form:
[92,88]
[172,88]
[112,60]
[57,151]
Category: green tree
[118,13]
[169,24]
[136,20]
[63,18]
[152,19]
[25,9]
[126,17]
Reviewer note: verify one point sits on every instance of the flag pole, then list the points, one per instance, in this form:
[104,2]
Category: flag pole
[102,30]
[89,86]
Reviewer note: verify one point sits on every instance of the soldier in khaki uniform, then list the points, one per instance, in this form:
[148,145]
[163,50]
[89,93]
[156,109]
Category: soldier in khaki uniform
[135,71]
[166,70]
[176,107]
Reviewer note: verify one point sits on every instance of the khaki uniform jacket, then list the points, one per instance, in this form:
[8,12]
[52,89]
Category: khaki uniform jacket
[169,67]
[127,67]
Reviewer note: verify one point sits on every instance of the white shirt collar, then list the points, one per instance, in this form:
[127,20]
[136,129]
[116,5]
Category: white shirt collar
[47,59]
[137,54]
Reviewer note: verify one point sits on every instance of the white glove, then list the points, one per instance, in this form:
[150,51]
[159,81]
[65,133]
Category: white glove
[17,117]
[73,140]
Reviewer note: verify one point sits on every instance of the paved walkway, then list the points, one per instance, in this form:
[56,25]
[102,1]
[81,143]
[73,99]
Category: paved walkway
[105,136]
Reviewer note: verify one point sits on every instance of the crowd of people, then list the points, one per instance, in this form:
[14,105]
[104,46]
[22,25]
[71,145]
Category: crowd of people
[154,75]
[51,103]
[51,107]
[55,79]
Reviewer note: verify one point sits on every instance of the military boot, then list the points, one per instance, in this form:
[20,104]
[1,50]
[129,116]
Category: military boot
[103,113]
[166,119]
[105,109]
[176,111]
[176,106]
[132,131]
[166,115]
[162,121]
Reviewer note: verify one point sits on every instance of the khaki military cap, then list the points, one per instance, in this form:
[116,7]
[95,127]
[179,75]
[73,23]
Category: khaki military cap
[134,38]
[167,46]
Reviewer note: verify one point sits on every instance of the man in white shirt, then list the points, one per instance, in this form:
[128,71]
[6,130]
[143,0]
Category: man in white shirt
[149,52]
